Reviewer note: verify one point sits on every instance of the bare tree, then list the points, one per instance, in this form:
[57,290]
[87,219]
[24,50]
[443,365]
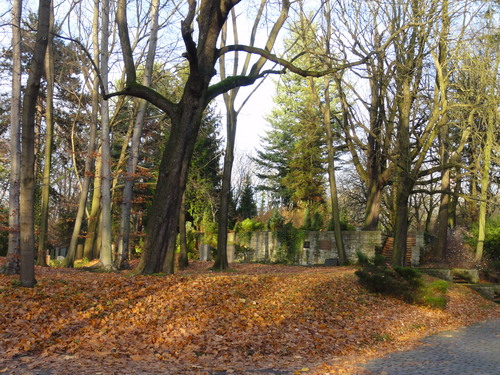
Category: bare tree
[49,140]
[12,264]
[28,147]
[123,243]
[232,118]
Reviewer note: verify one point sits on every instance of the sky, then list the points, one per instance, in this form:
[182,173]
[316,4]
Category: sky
[251,120]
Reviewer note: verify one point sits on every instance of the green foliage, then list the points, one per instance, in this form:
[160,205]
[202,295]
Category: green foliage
[402,282]
[344,222]
[291,163]
[56,263]
[491,240]
[249,225]
[82,263]
[391,281]
[205,173]
[244,232]
[247,208]
[434,294]
[313,219]
[291,240]
[276,221]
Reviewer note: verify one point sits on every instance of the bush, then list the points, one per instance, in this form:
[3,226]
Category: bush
[400,282]
[491,240]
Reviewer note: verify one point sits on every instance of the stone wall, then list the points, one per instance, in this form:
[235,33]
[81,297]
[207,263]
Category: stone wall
[317,248]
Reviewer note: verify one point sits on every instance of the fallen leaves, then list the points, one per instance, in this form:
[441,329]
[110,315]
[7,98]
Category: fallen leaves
[259,317]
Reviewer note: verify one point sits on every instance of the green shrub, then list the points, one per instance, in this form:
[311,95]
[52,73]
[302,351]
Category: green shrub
[276,221]
[491,240]
[434,294]
[400,282]
[291,241]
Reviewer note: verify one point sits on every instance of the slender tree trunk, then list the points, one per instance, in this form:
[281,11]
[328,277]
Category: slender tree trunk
[327,124]
[123,244]
[12,265]
[183,256]
[443,215]
[485,179]
[221,261]
[106,256]
[93,219]
[89,161]
[47,165]
[28,145]
[441,87]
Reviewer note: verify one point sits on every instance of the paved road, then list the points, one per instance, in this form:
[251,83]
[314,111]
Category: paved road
[473,350]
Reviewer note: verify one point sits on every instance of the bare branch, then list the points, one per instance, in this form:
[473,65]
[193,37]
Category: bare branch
[287,64]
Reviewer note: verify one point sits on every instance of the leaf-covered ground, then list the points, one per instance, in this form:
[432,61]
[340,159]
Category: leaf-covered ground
[255,317]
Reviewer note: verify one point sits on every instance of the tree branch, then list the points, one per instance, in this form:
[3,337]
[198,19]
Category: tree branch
[128,59]
[237,81]
[287,64]
[140,91]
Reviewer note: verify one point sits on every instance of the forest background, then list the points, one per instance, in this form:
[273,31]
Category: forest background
[385,117]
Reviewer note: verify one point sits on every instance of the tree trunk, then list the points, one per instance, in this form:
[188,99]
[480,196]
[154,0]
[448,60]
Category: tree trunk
[400,226]
[373,203]
[443,215]
[91,246]
[485,179]
[28,147]
[93,159]
[183,255]
[106,255]
[221,261]
[12,264]
[404,183]
[441,86]
[163,219]
[327,124]
[123,244]
[47,165]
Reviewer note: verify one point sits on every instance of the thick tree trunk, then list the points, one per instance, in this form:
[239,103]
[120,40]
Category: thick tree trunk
[400,227]
[163,219]
[404,182]
[12,264]
[28,147]
[49,123]
[372,216]
[91,246]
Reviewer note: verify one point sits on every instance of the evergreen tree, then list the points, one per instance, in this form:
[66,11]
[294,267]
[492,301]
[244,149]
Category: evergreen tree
[292,160]
[247,208]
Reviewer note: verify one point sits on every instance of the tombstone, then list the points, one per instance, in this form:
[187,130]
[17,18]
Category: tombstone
[331,262]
